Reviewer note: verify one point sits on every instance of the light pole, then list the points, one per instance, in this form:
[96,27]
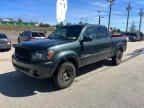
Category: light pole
[100,17]
[141,15]
[111,3]
[128,9]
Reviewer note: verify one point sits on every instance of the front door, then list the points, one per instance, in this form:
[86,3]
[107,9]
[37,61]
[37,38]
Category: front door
[88,48]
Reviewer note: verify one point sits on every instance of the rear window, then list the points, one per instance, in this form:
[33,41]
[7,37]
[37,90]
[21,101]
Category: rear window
[38,34]
[2,36]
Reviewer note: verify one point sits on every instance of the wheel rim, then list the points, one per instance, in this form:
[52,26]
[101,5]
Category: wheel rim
[119,57]
[67,74]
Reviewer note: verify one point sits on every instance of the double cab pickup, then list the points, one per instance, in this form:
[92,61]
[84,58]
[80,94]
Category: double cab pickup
[66,50]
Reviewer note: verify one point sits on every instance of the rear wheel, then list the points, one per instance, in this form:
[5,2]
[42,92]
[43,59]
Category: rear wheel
[116,60]
[65,75]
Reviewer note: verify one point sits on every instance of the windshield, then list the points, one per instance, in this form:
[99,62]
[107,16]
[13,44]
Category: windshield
[2,36]
[67,33]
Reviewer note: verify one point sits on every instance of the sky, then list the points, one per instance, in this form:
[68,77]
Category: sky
[45,11]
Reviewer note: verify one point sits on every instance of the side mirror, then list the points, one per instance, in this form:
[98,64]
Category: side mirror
[87,38]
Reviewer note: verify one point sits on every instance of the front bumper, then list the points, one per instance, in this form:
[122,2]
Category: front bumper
[3,47]
[34,69]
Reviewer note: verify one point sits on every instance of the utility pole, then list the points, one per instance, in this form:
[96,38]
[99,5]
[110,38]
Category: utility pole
[128,9]
[141,13]
[111,3]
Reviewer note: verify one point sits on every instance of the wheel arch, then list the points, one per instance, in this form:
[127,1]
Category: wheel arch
[119,47]
[67,57]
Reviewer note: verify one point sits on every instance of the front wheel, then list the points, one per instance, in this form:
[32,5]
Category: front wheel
[65,75]
[116,60]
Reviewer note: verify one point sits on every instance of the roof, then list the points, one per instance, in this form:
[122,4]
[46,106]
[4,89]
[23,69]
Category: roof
[84,25]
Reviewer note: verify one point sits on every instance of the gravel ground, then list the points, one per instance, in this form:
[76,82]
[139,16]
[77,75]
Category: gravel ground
[100,85]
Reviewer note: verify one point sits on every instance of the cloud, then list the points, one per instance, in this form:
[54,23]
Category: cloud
[118,13]
[99,4]
[140,2]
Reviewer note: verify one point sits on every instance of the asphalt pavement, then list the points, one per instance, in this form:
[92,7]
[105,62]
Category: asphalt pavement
[99,85]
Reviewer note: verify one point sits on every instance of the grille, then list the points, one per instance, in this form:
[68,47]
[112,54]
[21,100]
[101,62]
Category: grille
[2,42]
[23,53]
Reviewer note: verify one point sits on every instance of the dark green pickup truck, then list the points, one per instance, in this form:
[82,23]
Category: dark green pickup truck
[66,50]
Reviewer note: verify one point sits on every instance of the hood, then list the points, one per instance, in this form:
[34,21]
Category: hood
[38,44]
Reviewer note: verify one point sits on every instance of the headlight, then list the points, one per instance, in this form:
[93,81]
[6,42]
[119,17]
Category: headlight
[50,55]
[39,55]
[42,55]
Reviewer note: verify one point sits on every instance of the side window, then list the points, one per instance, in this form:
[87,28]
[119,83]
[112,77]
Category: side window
[91,31]
[27,34]
[102,32]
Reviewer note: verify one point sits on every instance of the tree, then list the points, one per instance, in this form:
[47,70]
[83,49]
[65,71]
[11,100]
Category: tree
[20,20]
[61,24]
[80,22]
[44,25]
[132,27]
[68,23]
[118,30]
[114,30]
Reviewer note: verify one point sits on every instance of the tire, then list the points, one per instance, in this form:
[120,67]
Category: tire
[116,60]
[65,75]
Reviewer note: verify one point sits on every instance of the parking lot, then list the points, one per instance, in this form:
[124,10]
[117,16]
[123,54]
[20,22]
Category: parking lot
[99,85]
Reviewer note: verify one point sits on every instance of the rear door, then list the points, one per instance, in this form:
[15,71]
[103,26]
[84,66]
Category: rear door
[103,46]
[99,48]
